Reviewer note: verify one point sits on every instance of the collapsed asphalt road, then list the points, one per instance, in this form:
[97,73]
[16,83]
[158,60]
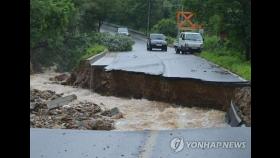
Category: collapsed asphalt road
[185,80]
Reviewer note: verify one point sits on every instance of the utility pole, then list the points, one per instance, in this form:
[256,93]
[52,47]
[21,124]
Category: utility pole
[149,12]
[178,9]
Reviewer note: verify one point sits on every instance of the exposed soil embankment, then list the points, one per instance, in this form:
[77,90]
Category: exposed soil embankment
[185,92]
[80,77]
[242,100]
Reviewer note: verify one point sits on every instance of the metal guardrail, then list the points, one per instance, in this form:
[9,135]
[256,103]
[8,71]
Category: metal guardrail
[232,117]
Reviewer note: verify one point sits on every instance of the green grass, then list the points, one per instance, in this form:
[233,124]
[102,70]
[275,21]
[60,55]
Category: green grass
[233,63]
[91,51]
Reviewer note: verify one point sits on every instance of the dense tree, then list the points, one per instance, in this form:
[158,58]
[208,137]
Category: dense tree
[60,29]
[99,10]
[134,13]
[226,17]
[166,26]
[49,20]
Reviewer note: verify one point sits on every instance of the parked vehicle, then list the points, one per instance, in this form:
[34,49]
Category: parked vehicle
[189,42]
[156,40]
[123,31]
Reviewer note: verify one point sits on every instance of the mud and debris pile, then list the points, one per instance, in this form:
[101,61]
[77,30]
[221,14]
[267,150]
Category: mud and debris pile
[60,79]
[38,99]
[80,77]
[242,99]
[75,115]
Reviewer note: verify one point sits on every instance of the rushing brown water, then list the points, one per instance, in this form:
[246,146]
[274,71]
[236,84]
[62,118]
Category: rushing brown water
[139,114]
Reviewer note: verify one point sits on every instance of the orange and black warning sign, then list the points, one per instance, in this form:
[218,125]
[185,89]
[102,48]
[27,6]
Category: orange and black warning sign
[184,19]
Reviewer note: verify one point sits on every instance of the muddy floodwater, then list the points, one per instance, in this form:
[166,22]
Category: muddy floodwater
[139,114]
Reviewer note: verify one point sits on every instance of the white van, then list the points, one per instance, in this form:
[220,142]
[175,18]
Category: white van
[189,42]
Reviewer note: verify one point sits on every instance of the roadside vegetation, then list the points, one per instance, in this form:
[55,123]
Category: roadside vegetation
[223,55]
[114,43]
[231,62]
[94,50]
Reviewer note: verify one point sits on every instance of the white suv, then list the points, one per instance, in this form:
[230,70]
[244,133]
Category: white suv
[189,42]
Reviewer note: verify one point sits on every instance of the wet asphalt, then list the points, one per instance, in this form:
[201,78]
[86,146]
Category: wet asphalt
[168,64]
[67,143]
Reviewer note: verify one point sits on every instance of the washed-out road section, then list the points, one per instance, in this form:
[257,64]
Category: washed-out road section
[127,71]
[186,80]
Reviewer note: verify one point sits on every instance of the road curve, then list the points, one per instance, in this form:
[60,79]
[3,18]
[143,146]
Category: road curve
[168,64]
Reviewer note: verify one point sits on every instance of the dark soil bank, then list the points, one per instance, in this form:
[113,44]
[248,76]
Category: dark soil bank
[187,92]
